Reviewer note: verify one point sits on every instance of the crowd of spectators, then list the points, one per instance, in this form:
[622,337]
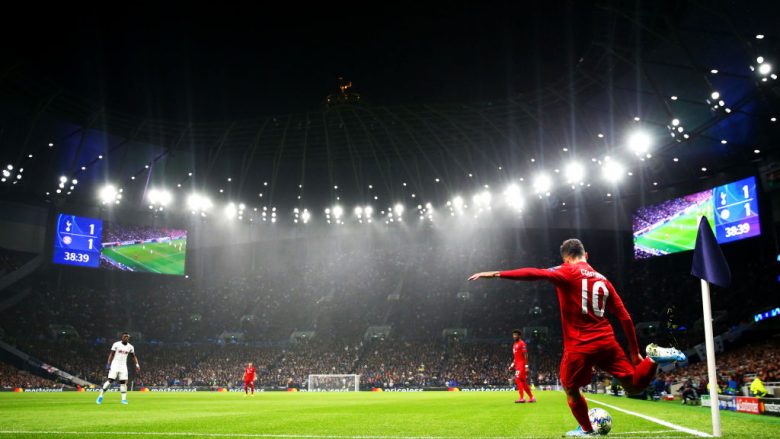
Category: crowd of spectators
[337,288]
[131,232]
[13,378]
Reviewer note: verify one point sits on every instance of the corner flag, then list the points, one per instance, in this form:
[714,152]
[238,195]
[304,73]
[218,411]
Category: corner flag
[710,265]
[708,260]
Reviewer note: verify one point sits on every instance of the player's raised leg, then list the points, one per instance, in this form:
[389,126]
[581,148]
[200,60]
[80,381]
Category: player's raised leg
[665,355]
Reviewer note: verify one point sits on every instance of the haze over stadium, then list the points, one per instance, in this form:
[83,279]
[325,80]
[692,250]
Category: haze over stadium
[272,213]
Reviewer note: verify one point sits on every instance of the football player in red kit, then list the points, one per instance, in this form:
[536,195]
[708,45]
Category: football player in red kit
[588,340]
[519,364]
[249,379]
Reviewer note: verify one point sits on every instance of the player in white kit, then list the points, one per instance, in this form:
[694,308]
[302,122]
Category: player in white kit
[117,365]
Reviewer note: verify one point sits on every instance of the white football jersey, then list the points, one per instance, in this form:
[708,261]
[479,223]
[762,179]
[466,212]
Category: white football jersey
[121,351]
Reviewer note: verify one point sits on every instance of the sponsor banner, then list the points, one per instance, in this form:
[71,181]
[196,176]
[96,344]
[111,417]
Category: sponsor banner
[769,406]
[418,389]
[488,389]
[173,389]
[725,402]
[747,405]
[43,390]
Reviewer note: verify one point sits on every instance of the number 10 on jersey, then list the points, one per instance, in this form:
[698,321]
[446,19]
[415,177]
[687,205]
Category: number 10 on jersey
[592,302]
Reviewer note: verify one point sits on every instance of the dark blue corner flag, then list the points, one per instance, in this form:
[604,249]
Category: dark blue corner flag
[708,260]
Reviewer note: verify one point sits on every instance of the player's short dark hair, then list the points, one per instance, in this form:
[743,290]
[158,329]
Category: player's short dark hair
[125,333]
[573,248]
[517,331]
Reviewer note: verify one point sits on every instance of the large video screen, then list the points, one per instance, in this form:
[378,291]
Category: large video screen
[143,249]
[86,242]
[671,226]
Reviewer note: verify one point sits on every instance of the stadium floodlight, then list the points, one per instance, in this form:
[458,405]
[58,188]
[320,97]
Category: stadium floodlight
[399,209]
[542,183]
[63,178]
[482,199]
[198,203]
[230,210]
[574,173]
[337,211]
[457,202]
[639,142]
[305,216]
[108,194]
[368,210]
[612,171]
[359,212]
[161,197]
[513,197]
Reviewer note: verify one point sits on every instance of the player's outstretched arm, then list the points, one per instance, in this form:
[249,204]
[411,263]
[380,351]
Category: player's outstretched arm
[552,274]
[484,274]
[110,359]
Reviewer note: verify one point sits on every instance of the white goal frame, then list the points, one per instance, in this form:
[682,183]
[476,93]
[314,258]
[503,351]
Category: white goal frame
[353,386]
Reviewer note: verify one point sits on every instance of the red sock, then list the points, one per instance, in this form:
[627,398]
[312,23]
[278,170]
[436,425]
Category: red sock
[528,390]
[253,388]
[644,373]
[579,409]
[245,389]
[519,385]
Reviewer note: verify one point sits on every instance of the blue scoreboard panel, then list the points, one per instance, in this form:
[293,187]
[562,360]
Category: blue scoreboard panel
[736,210]
[77,241]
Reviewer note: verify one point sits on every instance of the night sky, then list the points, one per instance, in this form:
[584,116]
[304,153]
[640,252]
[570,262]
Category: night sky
[245,60]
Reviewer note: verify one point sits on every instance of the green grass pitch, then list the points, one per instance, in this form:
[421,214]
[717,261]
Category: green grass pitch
[157,257]
[342,415]
[677,235]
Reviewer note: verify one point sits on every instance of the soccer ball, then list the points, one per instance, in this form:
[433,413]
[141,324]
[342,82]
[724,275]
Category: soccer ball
[600,420]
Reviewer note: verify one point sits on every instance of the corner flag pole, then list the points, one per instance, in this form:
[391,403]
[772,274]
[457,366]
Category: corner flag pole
[710,345]
[709,265]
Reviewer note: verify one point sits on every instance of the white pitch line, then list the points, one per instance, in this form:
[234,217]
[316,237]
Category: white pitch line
[646,434]
[656,420]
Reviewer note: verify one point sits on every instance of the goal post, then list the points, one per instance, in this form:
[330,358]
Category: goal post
[334,383]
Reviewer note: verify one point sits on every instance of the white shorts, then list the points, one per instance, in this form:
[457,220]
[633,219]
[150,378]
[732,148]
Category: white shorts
[117,373]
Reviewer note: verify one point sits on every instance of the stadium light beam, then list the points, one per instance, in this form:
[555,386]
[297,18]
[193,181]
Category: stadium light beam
[542,183]
[574,173]
[108,194]
[612,171]
[337,211]
[399,209]
[639,142]
[230,211]
[513,197]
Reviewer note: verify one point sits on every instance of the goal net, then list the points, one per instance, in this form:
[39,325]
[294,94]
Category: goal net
[334,383]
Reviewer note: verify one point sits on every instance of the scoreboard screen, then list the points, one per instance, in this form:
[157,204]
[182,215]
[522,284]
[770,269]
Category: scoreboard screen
[77,241]
[671,226]
[736,210]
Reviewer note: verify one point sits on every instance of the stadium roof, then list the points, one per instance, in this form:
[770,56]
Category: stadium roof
[448,101]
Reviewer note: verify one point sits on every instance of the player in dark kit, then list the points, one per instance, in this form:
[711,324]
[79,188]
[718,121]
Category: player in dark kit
[520,364]
[249,379]
[588,340]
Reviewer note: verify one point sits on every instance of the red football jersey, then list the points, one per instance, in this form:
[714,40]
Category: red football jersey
[249,373]
[519,350]
[584,295]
